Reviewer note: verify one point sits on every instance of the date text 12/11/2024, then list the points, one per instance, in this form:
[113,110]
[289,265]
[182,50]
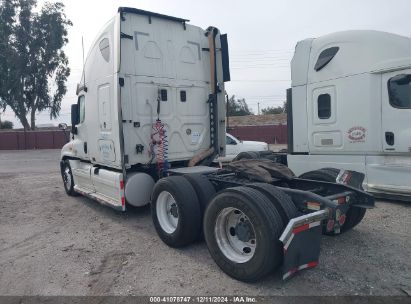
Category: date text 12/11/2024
[203,299]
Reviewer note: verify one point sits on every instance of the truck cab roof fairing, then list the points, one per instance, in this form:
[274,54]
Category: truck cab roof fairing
[360,51]
[150,14]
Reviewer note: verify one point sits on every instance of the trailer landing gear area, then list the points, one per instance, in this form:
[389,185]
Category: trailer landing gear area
[255,216]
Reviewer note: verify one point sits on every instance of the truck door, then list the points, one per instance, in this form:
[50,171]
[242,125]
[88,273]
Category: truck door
[82,169]
[81,142]
[396,111]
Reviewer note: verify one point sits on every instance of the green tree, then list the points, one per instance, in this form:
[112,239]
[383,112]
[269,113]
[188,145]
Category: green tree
[33,66]
[238,107]
[275,110]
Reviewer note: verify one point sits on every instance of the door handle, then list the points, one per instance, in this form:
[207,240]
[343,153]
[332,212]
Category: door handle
[85,147]
[389,138]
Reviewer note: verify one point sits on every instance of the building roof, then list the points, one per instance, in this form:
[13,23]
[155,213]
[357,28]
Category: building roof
[257,120]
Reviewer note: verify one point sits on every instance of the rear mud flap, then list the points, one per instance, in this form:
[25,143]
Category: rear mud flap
[350,178]
[301,243]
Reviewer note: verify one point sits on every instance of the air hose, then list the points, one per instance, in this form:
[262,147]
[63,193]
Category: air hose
[159,144]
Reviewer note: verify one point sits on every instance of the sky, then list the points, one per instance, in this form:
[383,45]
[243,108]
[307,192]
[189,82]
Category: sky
[262,35]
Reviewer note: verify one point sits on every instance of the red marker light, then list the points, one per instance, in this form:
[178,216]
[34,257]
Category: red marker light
[342,219]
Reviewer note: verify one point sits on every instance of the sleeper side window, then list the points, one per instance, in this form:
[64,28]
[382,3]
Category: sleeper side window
[324,106]
[399,91]
[325,57]
[105,49]
[82,108]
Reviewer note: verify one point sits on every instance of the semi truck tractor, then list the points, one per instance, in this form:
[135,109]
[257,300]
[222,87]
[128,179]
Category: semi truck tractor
[148,124]
[350,108]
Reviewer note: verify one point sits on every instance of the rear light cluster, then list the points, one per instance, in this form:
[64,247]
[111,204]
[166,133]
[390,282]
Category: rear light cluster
[342,219]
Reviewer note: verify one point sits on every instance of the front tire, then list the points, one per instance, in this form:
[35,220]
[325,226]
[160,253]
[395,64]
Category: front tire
[176,211]
[67,176]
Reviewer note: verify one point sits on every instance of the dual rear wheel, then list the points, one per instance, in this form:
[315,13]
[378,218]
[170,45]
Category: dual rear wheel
[176,211]
[241,225]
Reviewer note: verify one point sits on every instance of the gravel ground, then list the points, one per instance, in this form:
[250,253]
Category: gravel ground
[52,244]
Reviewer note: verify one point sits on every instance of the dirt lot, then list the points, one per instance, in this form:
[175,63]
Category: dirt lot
[52,244]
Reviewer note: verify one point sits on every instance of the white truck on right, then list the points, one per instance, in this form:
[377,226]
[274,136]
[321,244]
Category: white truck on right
[349,107]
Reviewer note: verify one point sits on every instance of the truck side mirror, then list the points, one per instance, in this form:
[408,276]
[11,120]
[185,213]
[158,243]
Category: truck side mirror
[75,118]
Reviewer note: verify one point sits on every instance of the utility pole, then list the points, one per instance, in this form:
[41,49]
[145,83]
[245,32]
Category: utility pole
[258,106]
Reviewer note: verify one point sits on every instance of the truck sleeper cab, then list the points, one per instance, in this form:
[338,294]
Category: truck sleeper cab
[350,108]
[144,105]
[150,118]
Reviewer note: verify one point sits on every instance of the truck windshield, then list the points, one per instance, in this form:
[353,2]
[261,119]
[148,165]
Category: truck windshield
[399,91]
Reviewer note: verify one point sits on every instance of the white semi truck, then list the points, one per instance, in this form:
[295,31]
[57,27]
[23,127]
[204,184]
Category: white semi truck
[350,108]
[150,119]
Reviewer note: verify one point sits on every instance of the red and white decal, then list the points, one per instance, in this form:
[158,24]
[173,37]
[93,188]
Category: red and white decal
[344,177]
[357,134]
[298,230]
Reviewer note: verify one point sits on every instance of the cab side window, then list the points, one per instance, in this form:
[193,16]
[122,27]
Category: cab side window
[82,108]
[324,106]
[229,141]
[325,57]
[399,91]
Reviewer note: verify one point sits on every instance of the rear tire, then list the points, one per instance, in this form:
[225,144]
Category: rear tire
[322,175]
[281,201]
[257,234]
[176,211]
[354,215]
[204,189]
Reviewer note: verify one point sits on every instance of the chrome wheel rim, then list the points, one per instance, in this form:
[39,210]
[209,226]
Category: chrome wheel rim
[167,212]
[235,235]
